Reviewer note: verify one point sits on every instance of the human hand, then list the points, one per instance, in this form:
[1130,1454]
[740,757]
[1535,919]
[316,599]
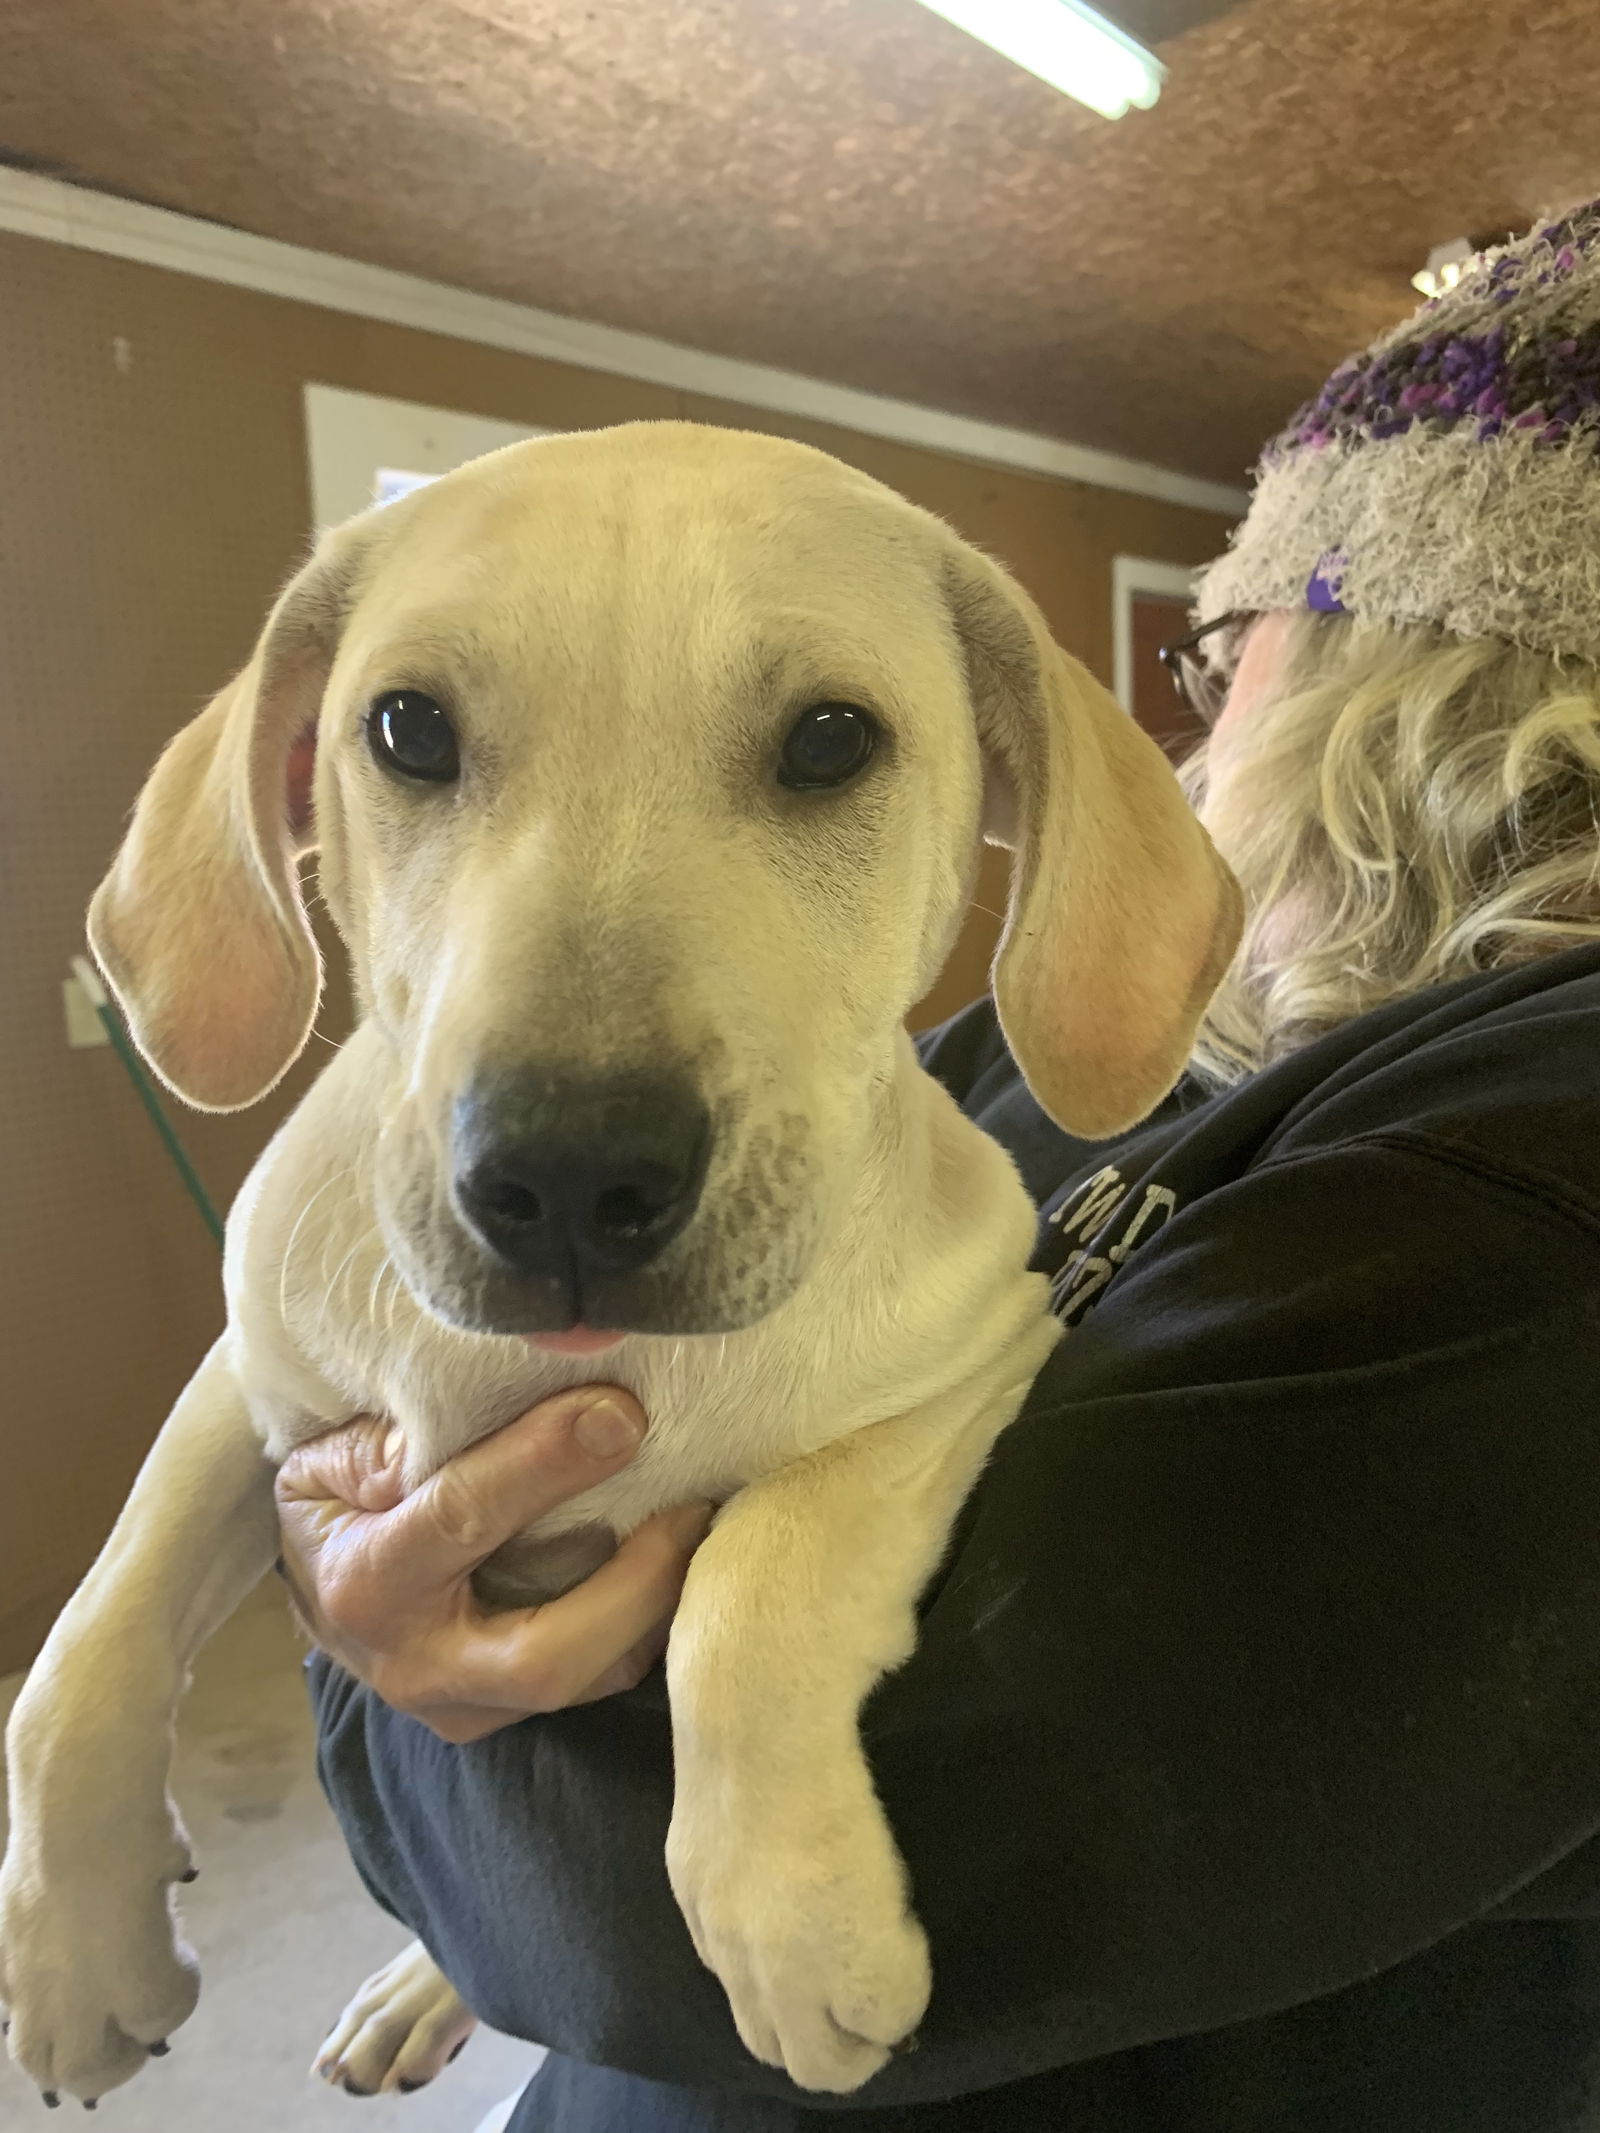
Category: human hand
[383,1580]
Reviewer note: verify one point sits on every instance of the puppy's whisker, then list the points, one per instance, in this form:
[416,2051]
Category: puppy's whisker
[385,1287]
[384,1290]
[288,1251]
[331,1288]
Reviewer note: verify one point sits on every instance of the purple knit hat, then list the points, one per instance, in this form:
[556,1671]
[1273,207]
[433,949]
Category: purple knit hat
[1450,474]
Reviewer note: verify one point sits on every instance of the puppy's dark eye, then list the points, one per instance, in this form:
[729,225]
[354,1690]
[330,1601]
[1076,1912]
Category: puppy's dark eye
[826,745]
[409,733]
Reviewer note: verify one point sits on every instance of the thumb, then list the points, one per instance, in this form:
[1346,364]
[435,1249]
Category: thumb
[477,1501]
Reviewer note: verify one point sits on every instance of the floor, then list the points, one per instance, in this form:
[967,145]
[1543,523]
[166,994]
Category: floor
[284,1929]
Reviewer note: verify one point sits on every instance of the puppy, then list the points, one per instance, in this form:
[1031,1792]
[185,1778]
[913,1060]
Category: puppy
[648,770]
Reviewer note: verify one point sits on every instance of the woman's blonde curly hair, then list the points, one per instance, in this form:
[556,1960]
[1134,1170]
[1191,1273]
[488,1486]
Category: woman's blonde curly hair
[1402,808]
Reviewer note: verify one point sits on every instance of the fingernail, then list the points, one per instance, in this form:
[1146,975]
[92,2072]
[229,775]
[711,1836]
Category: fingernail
[604,1430]
[160,2051]
[394,1447]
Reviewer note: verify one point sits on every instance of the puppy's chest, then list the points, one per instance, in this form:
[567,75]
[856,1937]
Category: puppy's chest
[325,1329]
[723,1410]
[720,1413]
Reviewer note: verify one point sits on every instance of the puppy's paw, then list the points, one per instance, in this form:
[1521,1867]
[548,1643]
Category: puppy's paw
[93,1973]
[809,1931]
[403,2026]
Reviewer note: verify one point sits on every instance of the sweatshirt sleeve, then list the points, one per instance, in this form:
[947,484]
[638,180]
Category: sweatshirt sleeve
[1266,1653]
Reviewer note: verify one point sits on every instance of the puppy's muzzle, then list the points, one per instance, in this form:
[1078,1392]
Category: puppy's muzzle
[572,1183]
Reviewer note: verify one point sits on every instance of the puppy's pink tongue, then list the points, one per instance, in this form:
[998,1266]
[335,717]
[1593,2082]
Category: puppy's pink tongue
[582,1340]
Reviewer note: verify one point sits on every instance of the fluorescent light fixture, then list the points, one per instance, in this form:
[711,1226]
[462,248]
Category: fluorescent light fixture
[1066,44]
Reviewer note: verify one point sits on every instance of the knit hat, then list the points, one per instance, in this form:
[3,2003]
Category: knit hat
[1450,473]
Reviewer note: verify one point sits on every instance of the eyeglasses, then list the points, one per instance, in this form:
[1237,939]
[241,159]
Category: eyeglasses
[1202,687]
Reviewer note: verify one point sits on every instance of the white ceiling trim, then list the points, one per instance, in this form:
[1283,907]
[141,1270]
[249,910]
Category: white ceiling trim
[35,206]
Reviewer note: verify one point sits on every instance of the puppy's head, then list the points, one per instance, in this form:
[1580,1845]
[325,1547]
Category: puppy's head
[648,769]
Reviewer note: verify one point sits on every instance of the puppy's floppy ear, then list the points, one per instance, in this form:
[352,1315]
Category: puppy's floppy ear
[199,926]
[1122,918]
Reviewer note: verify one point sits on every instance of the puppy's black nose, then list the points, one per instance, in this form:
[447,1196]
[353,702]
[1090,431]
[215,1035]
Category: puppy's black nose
[564,1179]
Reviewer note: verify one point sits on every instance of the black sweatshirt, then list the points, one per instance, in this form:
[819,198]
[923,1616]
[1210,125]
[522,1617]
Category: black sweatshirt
[1266,1657]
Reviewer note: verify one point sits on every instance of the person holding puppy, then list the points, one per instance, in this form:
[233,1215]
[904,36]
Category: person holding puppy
[1248,1767]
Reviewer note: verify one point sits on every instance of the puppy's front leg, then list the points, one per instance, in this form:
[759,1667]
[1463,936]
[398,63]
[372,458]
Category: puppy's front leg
[779,1853]
[91,1966]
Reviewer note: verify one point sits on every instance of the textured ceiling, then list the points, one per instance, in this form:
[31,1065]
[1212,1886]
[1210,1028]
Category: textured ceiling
[852,188]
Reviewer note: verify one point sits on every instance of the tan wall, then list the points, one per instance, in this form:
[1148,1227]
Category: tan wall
[153,494]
